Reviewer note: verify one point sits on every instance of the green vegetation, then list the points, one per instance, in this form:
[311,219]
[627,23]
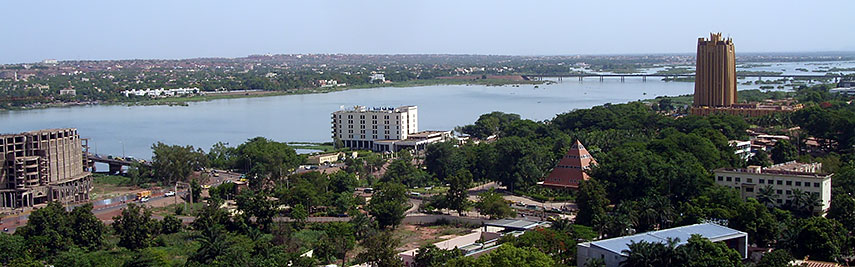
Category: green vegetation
[675,71]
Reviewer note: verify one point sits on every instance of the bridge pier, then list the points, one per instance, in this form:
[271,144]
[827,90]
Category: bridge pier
[115,169]
[580,78]
[559,78]
[621,78]
[644,78]
[601,78]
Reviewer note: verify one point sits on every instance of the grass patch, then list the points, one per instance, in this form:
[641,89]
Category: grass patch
[191,210]
[106,186]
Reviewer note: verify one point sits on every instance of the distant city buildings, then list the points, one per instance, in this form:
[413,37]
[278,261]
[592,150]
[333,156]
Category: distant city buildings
[68,91]
[382,129]
[330,83]
[571,169]
[42,166]
[378,77]
[612,251]
[160,92]
[784,179]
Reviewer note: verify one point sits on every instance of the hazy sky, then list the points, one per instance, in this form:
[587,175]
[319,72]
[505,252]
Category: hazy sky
[36,30]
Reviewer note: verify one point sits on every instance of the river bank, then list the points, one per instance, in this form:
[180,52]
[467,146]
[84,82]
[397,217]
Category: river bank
[183,101]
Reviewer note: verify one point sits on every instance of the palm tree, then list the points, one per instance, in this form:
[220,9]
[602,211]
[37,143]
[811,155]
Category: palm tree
[810,202]
[646,254]
[797,199]
[767,196]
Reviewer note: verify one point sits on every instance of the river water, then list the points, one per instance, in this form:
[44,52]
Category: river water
[131,130]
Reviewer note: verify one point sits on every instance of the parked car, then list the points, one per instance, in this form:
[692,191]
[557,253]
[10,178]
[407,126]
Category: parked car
[169,194]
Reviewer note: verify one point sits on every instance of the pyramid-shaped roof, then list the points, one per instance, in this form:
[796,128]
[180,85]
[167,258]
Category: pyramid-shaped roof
[570,170]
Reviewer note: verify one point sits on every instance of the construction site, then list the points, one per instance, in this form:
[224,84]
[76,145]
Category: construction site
[43,166]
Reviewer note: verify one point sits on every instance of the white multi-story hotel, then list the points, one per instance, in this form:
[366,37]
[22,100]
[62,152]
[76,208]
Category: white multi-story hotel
[784,178]
[359,127]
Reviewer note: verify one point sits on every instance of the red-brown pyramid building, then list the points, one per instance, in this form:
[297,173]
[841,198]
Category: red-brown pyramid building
[570,170]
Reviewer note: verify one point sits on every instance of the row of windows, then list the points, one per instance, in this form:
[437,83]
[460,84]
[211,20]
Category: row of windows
[764,181]
[362,117]
[577,157]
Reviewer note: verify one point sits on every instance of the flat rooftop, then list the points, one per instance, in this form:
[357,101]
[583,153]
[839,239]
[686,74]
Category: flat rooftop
[713,232]
[513,224]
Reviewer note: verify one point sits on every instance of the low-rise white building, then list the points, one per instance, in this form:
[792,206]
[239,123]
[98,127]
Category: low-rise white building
[160,92]
[742,149]
[783,178]
[611,251]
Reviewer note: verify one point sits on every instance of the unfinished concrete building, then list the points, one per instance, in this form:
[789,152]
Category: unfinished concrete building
[42,166]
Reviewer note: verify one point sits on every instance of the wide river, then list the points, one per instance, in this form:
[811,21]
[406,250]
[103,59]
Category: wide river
[131,130]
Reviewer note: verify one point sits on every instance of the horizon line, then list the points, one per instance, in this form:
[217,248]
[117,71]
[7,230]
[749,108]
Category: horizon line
[435,54]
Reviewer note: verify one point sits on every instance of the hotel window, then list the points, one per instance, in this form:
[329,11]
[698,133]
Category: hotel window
[780,182]
[779,191]
[738,179]
[362,117]
[779,201]
[815,184]
[798,183]
[789,182]
[729,179]
[762,181]
[749,189]
[749,180]
[789,192]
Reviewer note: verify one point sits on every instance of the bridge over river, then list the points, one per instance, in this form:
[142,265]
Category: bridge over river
[115,163]
[622,77]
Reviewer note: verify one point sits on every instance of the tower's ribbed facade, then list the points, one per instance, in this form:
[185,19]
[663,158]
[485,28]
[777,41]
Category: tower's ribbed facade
[715,75]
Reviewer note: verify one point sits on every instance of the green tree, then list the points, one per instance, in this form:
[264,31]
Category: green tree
[13,247]
[520,162]
[299,214]
[784,151]
[47,230]
[195,191]
[222,156]
[382,252]
[88,231]
[431,256]
[700,251]
[494,205]
[755,219]
[170,224]
[820,238]
[266,162]
[592,201]
[760,158]
[255,204]
[443,159]
[171,163]
[457,196]
[507,256]
[651,254]
[340,237]
[134,227]
[388,204]
[776,258]
[843,210]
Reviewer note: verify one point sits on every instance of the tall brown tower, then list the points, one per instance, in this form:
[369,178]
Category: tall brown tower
[715,75]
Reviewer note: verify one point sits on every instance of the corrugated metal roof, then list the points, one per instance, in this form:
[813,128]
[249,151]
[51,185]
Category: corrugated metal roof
[513,224]
[710,231]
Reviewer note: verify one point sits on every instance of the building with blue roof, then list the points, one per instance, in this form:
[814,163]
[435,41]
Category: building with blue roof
[612,250]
